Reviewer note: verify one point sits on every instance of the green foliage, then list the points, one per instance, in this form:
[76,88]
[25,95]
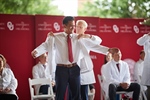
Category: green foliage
[116,9]
[28,7]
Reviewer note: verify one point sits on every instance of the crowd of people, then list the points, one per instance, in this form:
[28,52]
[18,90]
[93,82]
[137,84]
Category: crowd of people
[71,68]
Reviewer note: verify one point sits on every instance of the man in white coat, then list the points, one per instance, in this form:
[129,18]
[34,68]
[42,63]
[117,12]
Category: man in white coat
[41,70]
[67,72]
[87,75]
[145,79]
[118,77]
[138,68]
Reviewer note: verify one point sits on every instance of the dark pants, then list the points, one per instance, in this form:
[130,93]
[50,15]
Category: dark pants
[8,97]
[84,92]
[43,90]
[135,87]
[65,76]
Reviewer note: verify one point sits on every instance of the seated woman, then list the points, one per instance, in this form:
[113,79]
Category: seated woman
[8,82]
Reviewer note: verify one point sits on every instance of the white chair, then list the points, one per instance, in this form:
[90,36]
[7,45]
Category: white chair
[41,81]
[103,96]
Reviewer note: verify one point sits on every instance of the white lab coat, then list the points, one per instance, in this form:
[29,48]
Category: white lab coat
[87,76]
[138,70]
[145,42]
[114,76]
[8,80]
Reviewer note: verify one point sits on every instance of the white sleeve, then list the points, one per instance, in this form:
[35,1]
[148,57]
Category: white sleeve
[90,45]
[142,40]
[14,83]
[44,46]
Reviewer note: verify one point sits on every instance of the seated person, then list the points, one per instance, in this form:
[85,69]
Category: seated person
[118,77]
[138,69]
[41,70]
[92,90]
[8,82]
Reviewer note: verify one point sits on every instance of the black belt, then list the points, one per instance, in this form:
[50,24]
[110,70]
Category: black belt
[67,65]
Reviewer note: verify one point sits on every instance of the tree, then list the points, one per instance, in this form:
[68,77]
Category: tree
[116,9]
[29,7]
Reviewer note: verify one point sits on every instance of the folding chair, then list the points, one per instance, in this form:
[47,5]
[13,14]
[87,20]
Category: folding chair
[103,95]
[41,81]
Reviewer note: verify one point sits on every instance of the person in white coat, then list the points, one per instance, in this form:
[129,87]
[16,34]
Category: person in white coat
[8,82]
[145,79]
[103,71]
[68,72]
[118,77]
[41,70]
[138,68]
[87,75]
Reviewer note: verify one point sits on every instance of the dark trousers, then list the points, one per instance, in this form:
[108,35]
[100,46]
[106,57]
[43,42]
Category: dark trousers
[84,92]
[65,76]
[43,90]
[8,97]
[135,87]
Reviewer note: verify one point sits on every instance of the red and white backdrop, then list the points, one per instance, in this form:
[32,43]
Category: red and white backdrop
[16,43]
[20,34]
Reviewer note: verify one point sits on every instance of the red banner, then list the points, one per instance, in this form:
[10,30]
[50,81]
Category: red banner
[131,26]
[45,24]
[16,44]
[20,34]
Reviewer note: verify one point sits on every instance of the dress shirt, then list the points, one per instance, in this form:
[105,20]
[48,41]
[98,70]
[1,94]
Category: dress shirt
[61,48]
[8,80]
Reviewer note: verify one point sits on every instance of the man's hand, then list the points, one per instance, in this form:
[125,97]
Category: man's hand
[50,34]
[53,83]
[110,50]
[33,53]
[7,90]
[124,85]
[149,33]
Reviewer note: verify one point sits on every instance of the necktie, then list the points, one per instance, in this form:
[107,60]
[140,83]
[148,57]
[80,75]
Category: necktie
[69,48]
[118,67]
[44,66]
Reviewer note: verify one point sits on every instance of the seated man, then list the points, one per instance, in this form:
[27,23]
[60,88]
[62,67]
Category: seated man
[118,77]
[41,70]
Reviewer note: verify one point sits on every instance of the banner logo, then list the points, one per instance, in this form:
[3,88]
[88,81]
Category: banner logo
[56,26]
[136,29]
[10,26]
[115,28]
